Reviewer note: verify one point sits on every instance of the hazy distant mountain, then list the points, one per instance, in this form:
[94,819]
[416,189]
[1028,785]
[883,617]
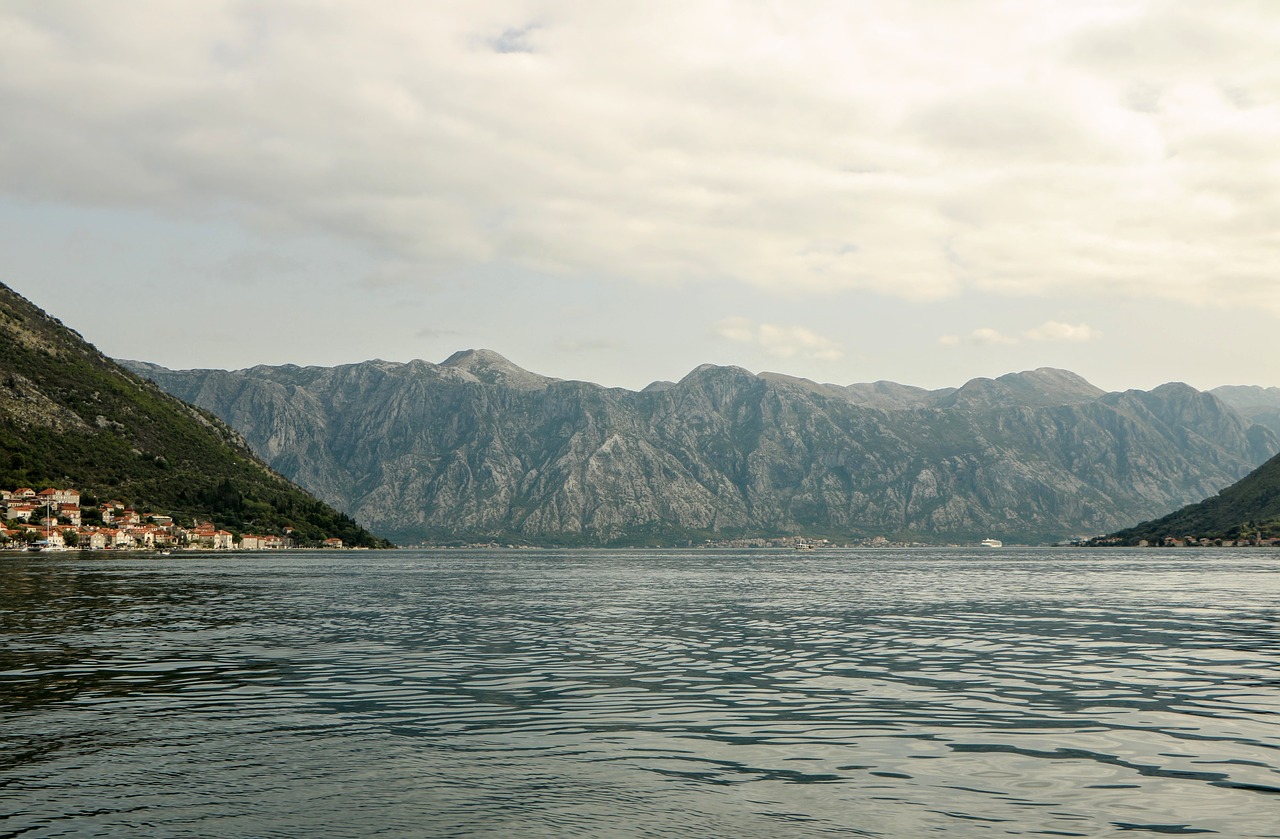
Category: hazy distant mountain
[1259,404]
[477,448]
[72,418]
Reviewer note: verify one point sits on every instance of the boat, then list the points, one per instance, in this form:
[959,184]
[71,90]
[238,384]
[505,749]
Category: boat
[992,543]
[47,543]
[804,546]
[45,546]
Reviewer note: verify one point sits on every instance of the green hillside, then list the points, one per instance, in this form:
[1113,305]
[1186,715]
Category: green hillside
[1248,508]
[71,417]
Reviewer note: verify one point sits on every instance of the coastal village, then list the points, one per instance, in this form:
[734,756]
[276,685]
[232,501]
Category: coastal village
[58,519]
[55,519]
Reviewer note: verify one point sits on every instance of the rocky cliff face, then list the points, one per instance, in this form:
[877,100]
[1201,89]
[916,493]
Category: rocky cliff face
[476,448]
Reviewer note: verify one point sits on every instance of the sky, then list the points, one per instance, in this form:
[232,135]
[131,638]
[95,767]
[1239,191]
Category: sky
[923,191]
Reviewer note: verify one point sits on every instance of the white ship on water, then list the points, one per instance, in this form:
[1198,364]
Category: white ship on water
[992,543]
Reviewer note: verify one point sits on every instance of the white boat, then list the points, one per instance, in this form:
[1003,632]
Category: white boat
[45,546]
[992,543]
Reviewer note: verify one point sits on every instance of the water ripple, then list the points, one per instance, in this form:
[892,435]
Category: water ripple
[853,693]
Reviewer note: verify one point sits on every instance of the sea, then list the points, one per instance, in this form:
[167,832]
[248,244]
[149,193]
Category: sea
[642,693]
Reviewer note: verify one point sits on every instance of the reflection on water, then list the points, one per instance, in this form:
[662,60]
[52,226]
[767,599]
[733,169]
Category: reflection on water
[855,693]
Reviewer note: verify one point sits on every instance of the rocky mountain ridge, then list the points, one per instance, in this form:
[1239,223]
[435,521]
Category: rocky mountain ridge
[476,448]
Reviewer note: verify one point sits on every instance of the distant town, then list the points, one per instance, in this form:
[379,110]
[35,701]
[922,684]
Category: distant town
[55,519]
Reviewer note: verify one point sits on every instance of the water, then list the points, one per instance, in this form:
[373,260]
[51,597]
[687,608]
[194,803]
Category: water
[642,694]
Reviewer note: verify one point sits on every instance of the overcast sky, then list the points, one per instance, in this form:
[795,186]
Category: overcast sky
[923,191]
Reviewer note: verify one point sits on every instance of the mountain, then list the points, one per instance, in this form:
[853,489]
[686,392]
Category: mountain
[1246,509]
[1044,387]
[476,449]
[72,418]
[1259,404]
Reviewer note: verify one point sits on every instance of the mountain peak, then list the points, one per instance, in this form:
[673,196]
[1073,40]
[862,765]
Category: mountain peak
[1055,378]
[492,368]
[467,358]
[889,396]
[1043,387]
[719,370]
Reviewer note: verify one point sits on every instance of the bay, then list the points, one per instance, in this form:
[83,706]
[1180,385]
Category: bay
[897,693]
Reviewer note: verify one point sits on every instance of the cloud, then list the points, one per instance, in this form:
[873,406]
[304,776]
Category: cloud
[513,39]
[990,336]
[983,336]
[915,149]
[1051,331]
[1054,331]
[779,341]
